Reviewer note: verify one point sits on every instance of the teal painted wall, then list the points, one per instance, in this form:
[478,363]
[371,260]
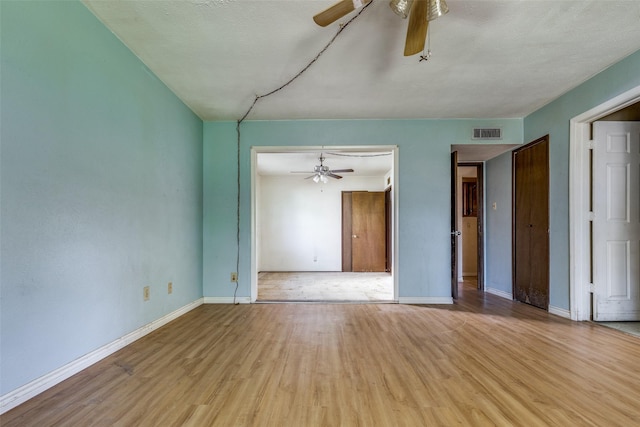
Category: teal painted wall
[553,120]
[424,191]
[101,190]
[498,272]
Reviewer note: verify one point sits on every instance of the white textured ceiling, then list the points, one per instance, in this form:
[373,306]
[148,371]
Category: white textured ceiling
[490,59]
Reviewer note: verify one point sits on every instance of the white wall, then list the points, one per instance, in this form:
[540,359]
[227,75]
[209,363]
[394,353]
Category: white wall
[468,226]
[469,245]
[300,222]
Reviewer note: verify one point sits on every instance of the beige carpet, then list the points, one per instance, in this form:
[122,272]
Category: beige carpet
[632,328]
[324,286]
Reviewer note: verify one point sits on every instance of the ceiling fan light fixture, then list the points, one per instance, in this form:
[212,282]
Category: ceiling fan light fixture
[320,177]
[401,7]
[437,8]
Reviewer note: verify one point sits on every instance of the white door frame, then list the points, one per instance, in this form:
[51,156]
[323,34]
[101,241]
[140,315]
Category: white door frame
[359,148]
[579,215]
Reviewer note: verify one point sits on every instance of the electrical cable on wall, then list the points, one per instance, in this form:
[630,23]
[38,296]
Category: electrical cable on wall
[257,98]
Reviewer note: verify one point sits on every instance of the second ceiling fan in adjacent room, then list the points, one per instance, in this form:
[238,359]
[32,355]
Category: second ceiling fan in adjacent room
[322,173]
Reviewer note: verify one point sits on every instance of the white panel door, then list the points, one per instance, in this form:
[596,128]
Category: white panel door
[616,225]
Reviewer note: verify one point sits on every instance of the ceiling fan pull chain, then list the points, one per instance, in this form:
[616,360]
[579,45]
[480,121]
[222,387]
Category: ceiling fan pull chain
[426,54]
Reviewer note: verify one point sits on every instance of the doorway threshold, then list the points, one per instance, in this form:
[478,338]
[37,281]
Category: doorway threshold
[319,301]
[631,328]
[325,287]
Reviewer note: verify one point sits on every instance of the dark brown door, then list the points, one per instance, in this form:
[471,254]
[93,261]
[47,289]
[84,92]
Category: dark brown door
[531,223]
[346,231]
[481,213]
[388,228]
[364,231]
[454,224]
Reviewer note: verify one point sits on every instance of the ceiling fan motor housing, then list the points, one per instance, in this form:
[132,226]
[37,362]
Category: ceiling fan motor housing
[321,169]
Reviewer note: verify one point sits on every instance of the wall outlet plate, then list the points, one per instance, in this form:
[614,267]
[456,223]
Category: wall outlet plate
[170,288]
[146,293]
[234,277]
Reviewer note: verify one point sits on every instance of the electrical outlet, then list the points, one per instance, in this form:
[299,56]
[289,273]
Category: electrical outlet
[146,293]
[170,288]
[234,277]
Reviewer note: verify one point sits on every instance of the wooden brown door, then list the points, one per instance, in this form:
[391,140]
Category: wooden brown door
[346,231]
[454,224]
[531,223]
[388,230]
[364,231]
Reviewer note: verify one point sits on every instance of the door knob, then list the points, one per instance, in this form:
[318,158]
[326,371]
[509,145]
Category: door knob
[355,237]
[456,233]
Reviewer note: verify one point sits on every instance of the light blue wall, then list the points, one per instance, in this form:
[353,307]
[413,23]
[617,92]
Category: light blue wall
[101,190]
[424,191]
[554,119]
[498,224]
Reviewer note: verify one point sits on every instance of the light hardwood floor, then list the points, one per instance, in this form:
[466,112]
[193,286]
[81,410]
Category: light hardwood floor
[482,361]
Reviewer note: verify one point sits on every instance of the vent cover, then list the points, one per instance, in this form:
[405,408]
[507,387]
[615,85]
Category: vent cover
[487,133]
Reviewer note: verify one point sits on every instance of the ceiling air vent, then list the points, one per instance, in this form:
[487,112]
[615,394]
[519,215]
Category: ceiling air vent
[487,133]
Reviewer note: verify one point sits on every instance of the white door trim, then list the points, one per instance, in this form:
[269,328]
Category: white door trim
[579,253]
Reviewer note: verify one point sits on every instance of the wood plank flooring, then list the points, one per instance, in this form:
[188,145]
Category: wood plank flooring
[482,361]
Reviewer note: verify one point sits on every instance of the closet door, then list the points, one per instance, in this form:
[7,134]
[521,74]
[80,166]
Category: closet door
[368,221]
[363,231]
[531,223]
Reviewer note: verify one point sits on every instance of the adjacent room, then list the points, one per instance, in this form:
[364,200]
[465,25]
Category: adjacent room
[324,225]
[319,212]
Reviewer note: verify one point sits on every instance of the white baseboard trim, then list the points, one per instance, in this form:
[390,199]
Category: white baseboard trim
[425,300]
[45,382]
[498,292]
[560,312]
[227,300]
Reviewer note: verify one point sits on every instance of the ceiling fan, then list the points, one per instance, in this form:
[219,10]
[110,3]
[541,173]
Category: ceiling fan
[420,12]
[321,172]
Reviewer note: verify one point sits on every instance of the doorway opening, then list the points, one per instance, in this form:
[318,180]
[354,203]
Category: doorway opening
[581,282]
[468,212]
[470,217]
[297,227]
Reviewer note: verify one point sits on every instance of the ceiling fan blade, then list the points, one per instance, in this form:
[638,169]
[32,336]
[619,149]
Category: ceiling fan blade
[301,172]
[337,11]
[310,176]
[333,175]
[417,29]
[341,170]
